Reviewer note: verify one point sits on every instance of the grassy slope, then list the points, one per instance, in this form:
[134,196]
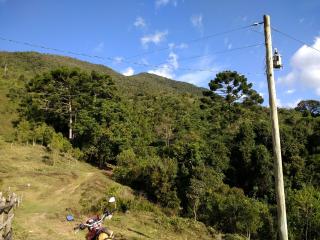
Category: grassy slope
[54,188]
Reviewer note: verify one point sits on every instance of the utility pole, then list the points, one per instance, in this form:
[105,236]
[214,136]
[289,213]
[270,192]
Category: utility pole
[281,205]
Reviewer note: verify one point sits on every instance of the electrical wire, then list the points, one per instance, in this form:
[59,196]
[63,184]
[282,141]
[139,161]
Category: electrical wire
[295,39]
[220,52]
[156,66]
[196,40]
[49,48]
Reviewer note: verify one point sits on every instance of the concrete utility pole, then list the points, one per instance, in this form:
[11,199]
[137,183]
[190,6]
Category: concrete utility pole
[281,205]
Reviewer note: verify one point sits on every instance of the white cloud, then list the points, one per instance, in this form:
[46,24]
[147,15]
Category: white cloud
[200,78]
[118,60]
[182,46]
[227,43]
[196,21]
[178,46]
[288,104]
[167,69]
[289,79]
[162,3]
[99,48]
[164,71]
[155,38]
[128,72]
[305,71]
[173,60]
[290,91]
[144,61]
[140,22]
[293,104]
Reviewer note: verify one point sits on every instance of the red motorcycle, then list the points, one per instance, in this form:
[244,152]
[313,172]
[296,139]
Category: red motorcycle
[96,231]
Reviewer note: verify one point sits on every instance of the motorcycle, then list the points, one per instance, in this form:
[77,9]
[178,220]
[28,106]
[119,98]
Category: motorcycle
[96,231]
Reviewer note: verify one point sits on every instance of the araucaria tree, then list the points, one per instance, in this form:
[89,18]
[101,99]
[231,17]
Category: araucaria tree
[58,96]
[234,88]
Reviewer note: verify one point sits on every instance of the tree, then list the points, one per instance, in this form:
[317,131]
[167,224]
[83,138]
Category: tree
[204,181]
[234,88]
[165,130]
[56,93]
[58,96]
[309,106]
[304,213]
[24,132]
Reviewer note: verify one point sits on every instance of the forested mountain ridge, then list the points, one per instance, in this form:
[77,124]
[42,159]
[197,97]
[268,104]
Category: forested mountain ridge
[31,63]
[206,157]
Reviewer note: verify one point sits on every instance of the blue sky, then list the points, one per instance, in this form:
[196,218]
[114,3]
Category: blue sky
[131,35]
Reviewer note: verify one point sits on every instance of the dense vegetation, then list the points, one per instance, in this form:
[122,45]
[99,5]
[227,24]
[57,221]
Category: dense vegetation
[207,157]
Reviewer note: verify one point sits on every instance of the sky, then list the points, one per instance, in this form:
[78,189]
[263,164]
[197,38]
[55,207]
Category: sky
[185,40]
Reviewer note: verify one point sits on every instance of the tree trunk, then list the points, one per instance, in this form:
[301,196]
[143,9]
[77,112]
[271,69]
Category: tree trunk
[307,229]
[195,207]
[70,121]
[248,234]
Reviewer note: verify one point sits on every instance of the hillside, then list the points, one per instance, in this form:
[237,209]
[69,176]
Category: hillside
[48,190]
[22,66]
[31,63]
[200,158]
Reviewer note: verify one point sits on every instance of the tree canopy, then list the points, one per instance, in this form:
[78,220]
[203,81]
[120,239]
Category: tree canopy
[309,106]
[234,88]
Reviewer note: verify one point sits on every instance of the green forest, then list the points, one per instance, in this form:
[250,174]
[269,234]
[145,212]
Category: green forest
[203,154]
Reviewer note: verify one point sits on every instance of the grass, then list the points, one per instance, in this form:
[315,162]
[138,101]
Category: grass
[48,190]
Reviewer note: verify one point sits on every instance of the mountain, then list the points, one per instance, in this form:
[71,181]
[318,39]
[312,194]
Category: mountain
[31,63]
[17,67]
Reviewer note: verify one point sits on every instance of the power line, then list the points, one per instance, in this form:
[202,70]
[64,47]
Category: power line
[157,66]
[49,48]
[164,65]
[221,52]
[196,40]
[295,39]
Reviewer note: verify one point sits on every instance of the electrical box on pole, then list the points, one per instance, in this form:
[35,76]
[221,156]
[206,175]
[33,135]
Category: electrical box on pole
[277,60]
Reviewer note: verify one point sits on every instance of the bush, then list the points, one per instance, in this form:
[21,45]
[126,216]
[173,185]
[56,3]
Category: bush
[155,176]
